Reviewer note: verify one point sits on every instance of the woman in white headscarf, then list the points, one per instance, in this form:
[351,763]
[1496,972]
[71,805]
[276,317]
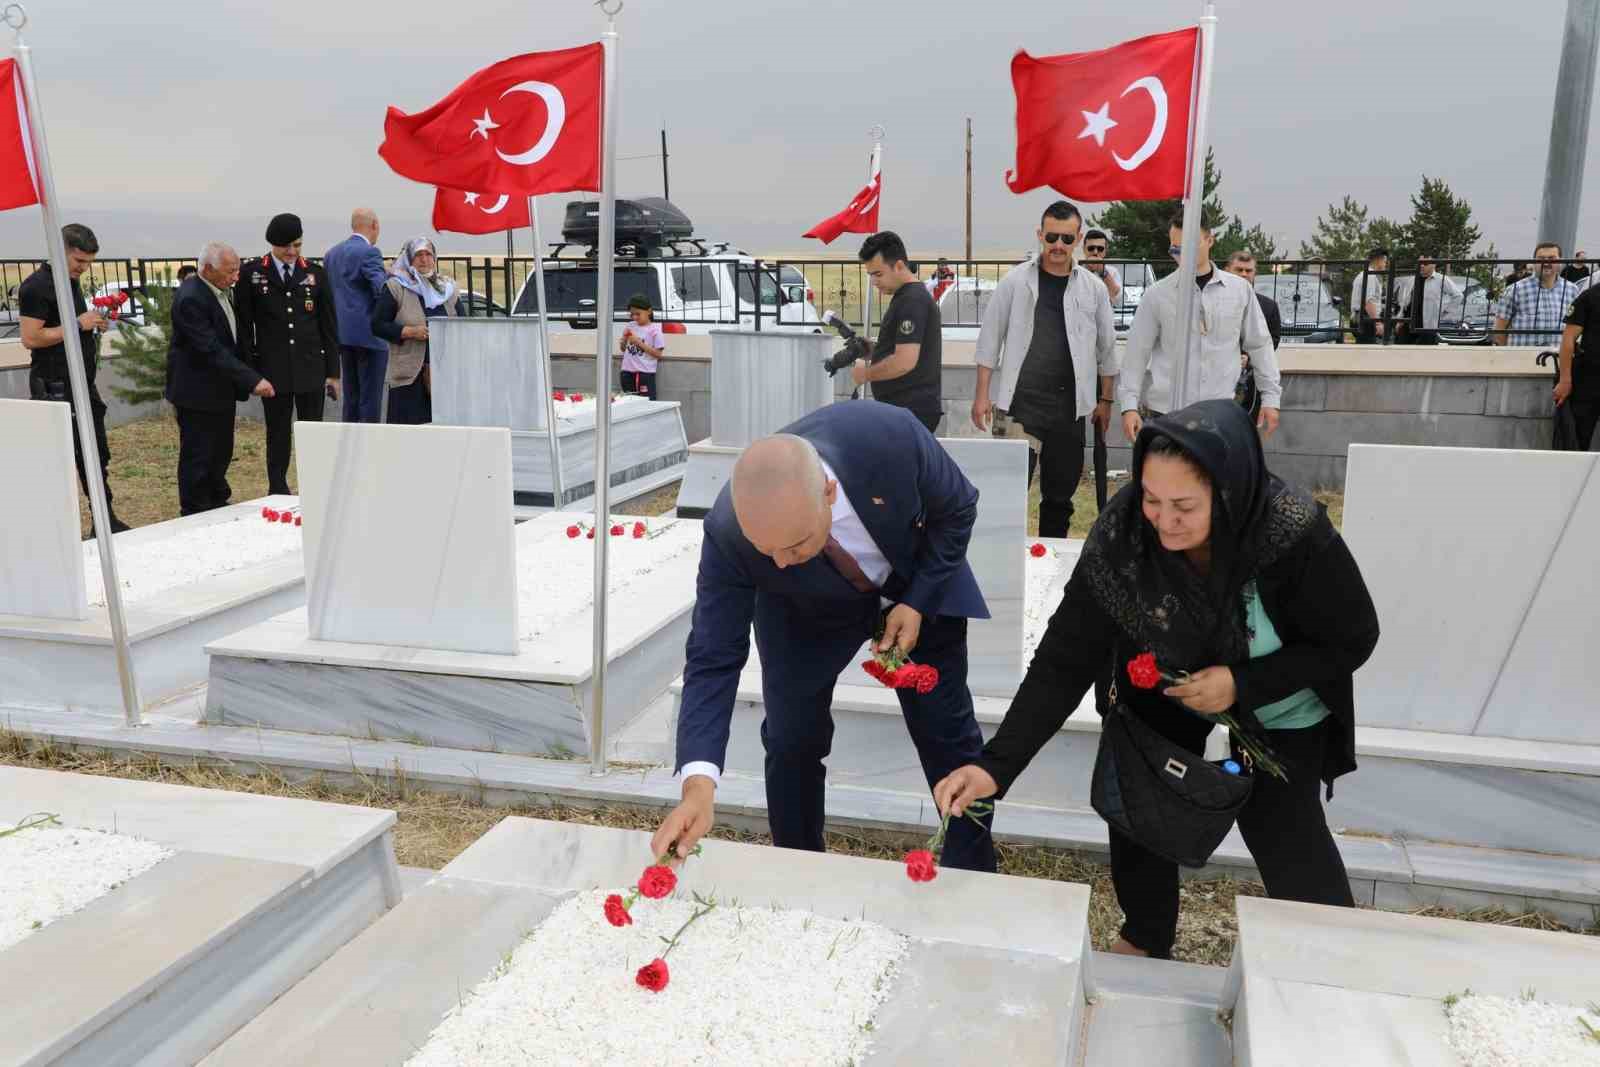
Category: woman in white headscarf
[414,293]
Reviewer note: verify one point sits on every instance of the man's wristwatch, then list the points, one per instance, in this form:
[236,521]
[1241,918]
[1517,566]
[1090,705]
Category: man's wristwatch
[1105,400]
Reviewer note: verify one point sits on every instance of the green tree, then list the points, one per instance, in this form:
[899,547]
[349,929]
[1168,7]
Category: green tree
[1139,227]
[1441,222]
[142,351]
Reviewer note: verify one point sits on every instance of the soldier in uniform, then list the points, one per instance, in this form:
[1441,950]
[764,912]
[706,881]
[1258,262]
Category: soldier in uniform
[288,333]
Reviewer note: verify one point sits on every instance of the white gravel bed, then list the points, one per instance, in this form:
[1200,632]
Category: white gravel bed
[1504,1032]
[555,575]
[749,987]
[197,553]
[52,871]
[572,409]
[1040,598]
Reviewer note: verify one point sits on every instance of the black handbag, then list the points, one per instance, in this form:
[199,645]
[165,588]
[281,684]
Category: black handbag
[1166,798]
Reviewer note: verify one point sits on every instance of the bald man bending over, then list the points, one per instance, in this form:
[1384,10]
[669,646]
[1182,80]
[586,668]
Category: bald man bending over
[852,518]
[355,272]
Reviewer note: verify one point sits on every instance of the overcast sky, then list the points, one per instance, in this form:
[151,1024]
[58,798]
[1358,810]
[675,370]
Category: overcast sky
[173,121]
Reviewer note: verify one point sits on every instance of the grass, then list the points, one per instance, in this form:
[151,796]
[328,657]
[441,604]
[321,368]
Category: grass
[434,828]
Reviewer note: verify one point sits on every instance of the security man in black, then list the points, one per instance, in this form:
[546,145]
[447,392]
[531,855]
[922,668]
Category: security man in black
[288,334]
[40,322]
[906,358]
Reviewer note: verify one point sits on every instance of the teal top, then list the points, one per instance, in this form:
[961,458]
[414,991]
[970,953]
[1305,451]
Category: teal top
[1293,712]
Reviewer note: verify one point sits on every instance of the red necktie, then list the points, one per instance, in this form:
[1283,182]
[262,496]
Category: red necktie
[846,565]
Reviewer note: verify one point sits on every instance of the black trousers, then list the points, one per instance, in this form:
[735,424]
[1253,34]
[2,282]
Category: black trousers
[42,389]
[205,449]
[410,405]
[640,381]
[801,657]
[1586,413]
[1060,464]
[280,412]
[1283,825]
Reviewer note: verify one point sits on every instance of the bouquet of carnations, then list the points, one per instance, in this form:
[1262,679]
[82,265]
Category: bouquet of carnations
[111,306]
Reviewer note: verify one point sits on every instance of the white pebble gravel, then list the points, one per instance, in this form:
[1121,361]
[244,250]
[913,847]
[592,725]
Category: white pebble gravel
[1040,599]
[50,872]
[750,987]
[555,574]
[1505,1032]
[153,567]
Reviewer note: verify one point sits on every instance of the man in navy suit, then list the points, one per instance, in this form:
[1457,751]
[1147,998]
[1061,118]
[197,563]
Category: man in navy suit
[356,274]
[206,378]
[852,508]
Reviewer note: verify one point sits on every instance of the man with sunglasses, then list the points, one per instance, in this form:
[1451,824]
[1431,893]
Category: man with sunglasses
[1421,296]
[1095,243]
[1226,321]
[1048,331]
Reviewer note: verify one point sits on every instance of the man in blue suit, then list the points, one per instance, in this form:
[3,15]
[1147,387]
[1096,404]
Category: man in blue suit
[850,510]
[355,271]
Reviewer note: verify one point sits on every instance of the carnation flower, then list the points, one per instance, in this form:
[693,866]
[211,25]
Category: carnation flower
[657,882]
[573,531]
[639,530]
[617,912]
[1143,672]
[653,975]
[1037,550]
[921,866]
[297,520]
[577,398]
[616,529]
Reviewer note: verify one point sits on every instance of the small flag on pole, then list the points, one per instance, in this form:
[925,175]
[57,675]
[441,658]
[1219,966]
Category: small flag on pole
[19,181]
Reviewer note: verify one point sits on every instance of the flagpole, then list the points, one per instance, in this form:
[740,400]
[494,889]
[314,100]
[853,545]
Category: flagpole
[1192,204]
[604,329]
[16,17]
[557,490]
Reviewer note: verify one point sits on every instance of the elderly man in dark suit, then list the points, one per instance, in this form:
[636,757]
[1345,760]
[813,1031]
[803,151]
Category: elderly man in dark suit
[355,271]
[287,331]
[206,379]
[850,510]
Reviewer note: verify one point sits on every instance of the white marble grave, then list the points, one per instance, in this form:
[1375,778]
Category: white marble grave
[258,892]
[1327,987]
[760,383]
[536,700]
[999,470]
[408,536]
[998,963]
[41,562]
[70,663]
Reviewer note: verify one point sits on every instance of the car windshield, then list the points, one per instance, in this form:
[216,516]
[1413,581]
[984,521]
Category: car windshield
[769,286]
[572,290]
[1301,298]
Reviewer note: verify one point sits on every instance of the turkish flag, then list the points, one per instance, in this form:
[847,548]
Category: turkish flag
[858,216]
[1107,125]
[19,186]
[457,211]
[527,125]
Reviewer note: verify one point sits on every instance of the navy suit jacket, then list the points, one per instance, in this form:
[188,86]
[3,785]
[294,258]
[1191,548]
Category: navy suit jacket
[356,274]
[204,371]
[911,497]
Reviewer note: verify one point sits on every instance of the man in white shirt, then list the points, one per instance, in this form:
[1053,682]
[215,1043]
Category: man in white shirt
[1225,321]
[851,524]
[1095,244]
[1421,314]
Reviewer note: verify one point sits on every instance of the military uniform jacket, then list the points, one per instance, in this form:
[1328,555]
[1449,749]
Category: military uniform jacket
[287,332]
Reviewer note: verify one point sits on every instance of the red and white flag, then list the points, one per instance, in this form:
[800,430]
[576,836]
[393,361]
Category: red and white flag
[524,126]
[456,211]
[19,184]
[859,216]
[1107,125]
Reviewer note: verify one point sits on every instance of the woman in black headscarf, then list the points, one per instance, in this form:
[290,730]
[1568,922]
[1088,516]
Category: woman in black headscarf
[1222,570]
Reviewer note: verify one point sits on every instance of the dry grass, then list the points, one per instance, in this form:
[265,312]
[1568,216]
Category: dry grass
[434,828]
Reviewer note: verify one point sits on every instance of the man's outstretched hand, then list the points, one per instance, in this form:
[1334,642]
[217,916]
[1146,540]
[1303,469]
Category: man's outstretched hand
[687,823]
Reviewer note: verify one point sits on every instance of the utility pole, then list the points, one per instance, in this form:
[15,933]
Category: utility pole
[666,184]
[969,194]
[1569,126]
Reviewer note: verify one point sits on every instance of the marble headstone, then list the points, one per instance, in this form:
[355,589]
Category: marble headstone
[762,381]
[41,555]
[409,535]
[487,372]
[999,469]
[1480,563]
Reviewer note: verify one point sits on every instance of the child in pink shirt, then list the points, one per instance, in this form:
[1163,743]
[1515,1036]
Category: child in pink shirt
[642,345]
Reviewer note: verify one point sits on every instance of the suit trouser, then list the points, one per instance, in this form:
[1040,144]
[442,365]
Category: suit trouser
[361,372]
[1283,825]
[801,656]
[41,389]
[279,413]
[205,449]
[1586,415]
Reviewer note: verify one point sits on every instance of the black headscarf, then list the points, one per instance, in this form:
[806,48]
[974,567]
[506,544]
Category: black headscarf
[1192,621]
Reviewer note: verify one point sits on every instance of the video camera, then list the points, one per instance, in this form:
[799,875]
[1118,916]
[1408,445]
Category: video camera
[854,347]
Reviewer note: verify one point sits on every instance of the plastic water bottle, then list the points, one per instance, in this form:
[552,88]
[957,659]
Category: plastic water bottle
[1230,766]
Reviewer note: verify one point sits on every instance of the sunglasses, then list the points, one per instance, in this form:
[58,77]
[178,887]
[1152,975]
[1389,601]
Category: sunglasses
[1094,248]
[1064,238]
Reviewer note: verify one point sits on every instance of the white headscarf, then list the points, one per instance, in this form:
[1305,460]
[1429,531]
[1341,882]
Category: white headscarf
[432,288]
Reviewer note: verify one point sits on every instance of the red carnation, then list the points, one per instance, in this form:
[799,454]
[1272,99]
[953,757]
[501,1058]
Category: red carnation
[617,911]
[573,531]
[590,534]
[920,865]
[285,517]
[876,669]
[297,520]
[657,882]
[1143,672]
[653,975]
[616,529]
[1036,550]
[577,398]
[559,395]
[639,529]
[927,678]
[268,514]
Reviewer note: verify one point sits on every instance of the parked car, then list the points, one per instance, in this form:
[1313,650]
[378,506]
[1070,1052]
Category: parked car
[1308,309]
[961,307]
[479,306]
[1467,319]
[1136,278]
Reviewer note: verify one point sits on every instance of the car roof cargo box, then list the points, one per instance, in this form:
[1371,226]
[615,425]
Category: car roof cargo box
[647,221]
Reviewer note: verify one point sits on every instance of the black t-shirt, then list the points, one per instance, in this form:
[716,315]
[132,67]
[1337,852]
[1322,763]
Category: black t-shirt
[912,319]
[1046,398]
[1586,354]
[36,299]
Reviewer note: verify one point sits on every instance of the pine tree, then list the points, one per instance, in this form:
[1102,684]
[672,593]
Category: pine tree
[142,352]
[1139,227]
[1441,222]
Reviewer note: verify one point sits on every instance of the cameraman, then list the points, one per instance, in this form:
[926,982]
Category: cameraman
[904,369]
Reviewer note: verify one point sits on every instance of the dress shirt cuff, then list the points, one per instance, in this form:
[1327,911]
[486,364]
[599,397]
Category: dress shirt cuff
[1127,401]
[705,767]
